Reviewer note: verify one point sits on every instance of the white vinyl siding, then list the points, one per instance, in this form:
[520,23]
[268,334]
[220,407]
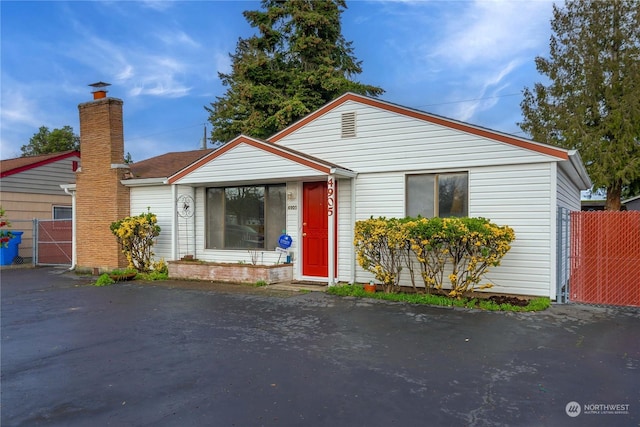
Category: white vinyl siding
[345,247]
[245,163]
[388,142]
[523,198]
[380,194]
[518,196]
[568,193]
[158,200]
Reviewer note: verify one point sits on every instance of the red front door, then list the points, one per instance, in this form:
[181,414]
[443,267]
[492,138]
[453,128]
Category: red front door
[315,230]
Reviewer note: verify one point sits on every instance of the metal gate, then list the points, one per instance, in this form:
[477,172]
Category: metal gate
[53,242]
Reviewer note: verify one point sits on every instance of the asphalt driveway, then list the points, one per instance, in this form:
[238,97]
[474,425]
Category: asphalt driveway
[162,354]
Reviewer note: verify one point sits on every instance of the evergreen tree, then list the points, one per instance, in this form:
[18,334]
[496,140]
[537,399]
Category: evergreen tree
[297,62]
[55,141]
[592,102]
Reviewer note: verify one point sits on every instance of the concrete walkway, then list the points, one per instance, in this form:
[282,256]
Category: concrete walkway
[164,354]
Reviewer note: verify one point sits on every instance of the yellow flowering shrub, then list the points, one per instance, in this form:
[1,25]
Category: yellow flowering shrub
[381,249]
[136,235]
[463,247]
[469,245]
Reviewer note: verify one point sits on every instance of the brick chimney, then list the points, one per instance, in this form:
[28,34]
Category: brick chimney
[100,197]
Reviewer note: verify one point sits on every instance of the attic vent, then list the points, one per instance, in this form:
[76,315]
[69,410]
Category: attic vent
[349,125]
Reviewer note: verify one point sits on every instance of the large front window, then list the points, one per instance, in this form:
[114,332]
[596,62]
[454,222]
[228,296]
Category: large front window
[441,195]
[249,217]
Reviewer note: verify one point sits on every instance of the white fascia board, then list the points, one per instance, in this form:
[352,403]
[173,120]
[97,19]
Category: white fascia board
[143,182]
[343,173]
[577,172]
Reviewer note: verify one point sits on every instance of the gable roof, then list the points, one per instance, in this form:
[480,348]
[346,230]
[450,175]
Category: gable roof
[428,117]
[294,156]
[20,164]
[167,164]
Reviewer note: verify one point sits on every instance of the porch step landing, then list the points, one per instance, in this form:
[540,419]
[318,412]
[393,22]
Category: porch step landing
[299,286]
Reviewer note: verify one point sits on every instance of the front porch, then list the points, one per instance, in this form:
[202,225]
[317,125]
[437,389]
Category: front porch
[230,272]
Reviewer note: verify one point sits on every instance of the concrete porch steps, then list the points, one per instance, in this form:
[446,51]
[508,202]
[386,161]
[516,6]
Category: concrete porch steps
[299,286]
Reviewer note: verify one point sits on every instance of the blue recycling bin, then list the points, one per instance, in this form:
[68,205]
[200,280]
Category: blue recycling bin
[8,254]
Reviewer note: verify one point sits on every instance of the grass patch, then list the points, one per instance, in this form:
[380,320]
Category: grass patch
[260,283]
[153,275]
[536,304]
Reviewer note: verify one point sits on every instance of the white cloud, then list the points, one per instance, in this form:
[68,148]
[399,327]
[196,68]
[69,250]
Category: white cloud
[177,38]
[474,51]
[18,109]
[158,5]
[490,30]
[126,73]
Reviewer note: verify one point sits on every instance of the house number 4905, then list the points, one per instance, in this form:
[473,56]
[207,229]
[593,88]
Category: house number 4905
[330,197]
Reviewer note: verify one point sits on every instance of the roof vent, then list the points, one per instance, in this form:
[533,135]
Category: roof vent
[349,125]
[99,90]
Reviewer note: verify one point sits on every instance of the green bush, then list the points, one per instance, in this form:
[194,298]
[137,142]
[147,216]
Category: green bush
[104,280]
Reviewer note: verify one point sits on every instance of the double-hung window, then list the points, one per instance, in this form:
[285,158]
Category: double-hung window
[438,195]
[246,217]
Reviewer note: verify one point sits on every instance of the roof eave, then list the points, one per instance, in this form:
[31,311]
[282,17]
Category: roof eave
[577,171]
[144,182]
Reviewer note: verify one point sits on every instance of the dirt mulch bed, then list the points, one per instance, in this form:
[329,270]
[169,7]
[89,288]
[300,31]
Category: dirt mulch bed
[506,299]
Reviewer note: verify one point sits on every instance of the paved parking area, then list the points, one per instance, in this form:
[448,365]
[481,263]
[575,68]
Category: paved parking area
[169,354]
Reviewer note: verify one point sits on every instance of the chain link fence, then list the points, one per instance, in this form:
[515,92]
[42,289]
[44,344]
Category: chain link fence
[605,258]
[43,242]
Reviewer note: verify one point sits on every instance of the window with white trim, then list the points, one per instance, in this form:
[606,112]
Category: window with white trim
[246,217]
[437,195]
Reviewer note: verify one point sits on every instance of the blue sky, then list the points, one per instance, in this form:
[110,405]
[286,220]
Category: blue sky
[467,60]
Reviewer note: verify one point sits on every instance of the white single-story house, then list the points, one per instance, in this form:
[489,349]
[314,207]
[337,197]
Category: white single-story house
[354,158]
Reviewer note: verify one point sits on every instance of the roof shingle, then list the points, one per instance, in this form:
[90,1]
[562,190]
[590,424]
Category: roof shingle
[167,164]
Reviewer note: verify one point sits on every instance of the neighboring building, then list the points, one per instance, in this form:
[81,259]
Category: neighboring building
[30,189]
[632,204]
[354,158]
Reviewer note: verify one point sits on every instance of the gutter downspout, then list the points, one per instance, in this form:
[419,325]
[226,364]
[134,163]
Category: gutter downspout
[74,257]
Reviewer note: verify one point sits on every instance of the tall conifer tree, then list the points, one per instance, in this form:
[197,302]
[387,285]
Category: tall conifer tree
[592,101]
[297,62]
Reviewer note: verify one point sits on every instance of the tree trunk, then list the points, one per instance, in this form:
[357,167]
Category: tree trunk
[614,192]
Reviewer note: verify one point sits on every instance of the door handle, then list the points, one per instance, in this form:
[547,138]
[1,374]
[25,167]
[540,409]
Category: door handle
[304,234]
